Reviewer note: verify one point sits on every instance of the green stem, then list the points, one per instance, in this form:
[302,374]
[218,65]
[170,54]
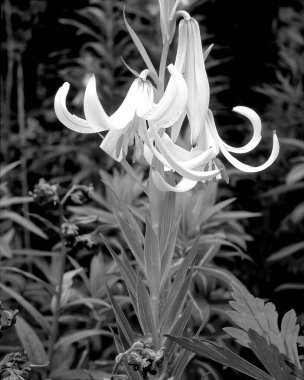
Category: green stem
[62,266]
[163,62]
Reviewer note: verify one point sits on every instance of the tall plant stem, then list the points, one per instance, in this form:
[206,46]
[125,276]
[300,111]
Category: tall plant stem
[62,266]
[22,139]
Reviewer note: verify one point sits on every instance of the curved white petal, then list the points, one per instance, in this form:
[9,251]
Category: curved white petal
[149,157]
[96,115]
[170,107]
[176,127]
[166,158]
[109,144]
[235,162]
[190,160]
[71,121]
[257,128]
[184,185]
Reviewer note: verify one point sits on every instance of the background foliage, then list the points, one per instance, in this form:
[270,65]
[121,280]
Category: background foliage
[257,61]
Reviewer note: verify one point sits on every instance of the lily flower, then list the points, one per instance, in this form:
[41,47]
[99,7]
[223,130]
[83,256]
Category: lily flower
[123,124]
[203,156]
[190,61]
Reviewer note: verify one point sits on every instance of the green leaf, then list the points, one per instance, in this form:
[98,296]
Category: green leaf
[9,201]
[30,342]
[214,210]
[31,276]
[168,252]
[176,305]
[125,268]
[77,336]
[39,318]
[223,275]
[277,364]
[6,169]
[144,307]
[252,313]
[141,49]
[221,355]
[97,275]
[166,220]
[178,329]
[26,223]
[179,364]
[152,260]
[179,279]
[285,252]
[122,320]
[73,374]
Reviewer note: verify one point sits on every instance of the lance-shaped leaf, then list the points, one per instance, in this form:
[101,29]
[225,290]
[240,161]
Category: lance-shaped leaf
[179,280]
[179,364]
[221,355]
[141,49]
[166,221]
[178,329]
[125,268]
[30,342]
[176,305]
[169,252]
[121,319]
[144,306]
[152,260]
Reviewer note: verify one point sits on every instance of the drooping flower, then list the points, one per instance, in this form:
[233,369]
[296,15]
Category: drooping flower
[190,61]
[210,141]
[138,105]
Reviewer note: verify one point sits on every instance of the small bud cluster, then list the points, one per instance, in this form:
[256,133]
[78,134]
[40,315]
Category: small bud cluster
[45,194]
[82,194]
[7,319]
[14,366]
[143,358]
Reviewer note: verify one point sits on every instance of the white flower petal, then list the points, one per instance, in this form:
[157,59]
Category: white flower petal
[251,169]
[190,60]
[184,185]
[96,115]
[170,107]
[165,155]
[192,159]
[149,157]
[71,121]
[176,127]
[235,162]
[109,144]
[257,128]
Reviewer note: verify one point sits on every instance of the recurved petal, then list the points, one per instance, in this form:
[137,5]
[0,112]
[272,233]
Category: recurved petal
[167,158]
[190,159]
[172,104]
[96,115]
[184,185]
[149,157]
[71,121]
[253,169]
[257,128]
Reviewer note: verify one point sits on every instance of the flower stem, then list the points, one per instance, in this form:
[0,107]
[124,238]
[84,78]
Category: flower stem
[62,265]
[163,62]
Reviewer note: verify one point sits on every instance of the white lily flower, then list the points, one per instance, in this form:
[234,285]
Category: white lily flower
[190,61]
[123,124]
[188,164]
